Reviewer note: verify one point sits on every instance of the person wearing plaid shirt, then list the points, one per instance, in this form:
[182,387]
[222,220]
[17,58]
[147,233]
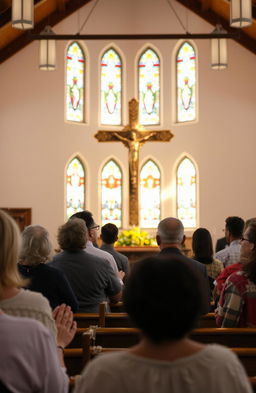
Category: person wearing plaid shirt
[233,232]
[237,304]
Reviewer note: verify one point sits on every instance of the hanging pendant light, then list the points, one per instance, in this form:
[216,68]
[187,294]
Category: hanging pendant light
[219,57]
[23,14]
[240,13]
[47,54]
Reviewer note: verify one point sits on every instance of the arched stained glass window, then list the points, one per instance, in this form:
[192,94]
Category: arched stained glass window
[186,183]
[186,83]
[111,194]
[75,187]
[149,87]
[111,88]
[150,195]
[75,74]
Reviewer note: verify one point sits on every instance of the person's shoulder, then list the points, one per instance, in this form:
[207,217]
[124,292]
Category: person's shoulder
[106,255]
[34,299]
[107,360]
[96,258]
[222,252]
[122,256]
[51,269]
[28,325]
[219,353]
[57,257]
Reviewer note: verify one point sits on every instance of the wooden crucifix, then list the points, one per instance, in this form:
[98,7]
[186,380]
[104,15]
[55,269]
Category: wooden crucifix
[133,136]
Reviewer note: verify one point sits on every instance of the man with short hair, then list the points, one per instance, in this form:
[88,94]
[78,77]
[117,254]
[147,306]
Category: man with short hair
[109,235]
[93,228]
[91,278]
[170,238]
[233,233]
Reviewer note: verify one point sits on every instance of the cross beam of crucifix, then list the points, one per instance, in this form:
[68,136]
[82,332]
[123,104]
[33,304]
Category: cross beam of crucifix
[133,136]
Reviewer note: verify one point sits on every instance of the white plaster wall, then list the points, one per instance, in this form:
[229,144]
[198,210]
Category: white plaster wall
[36,143]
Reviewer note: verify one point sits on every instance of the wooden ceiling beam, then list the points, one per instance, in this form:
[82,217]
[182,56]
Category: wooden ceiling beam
[210,16]
[51,16]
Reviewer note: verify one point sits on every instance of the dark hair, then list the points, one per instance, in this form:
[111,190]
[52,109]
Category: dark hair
[72,236]
[109,233]
[86,216]
[235,225]
[202,246]
[250,267]
[163,298]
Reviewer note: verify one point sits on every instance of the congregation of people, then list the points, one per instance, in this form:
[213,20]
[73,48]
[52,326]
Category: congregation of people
[41,290]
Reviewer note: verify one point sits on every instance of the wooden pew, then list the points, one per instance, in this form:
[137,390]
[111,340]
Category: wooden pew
[118,319]
[125,337]
[233,337]
[207,321]
[110,320]
[108,337]
[117,307]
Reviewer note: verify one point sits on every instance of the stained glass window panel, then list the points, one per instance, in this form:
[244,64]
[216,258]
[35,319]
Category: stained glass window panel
[149,88]
[75,83]
[111,194]
[111,88]
[186,193]
[150,195]
[186,83]
[75,183]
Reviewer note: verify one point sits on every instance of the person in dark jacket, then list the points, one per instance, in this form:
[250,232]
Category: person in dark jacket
[36,250]
[170,238]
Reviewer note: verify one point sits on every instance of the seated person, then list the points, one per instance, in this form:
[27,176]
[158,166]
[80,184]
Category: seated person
[237,304]
[91,278]
[36,250]
[30,360]
[15,300]
[109,235]
[203,252]
[163,299]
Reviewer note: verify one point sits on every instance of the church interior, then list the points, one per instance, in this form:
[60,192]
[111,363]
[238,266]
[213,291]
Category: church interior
[38,141]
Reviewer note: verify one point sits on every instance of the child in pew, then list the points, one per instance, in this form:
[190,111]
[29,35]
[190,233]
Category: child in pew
[165,360]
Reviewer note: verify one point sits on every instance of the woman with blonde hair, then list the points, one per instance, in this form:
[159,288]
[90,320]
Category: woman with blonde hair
[13,299]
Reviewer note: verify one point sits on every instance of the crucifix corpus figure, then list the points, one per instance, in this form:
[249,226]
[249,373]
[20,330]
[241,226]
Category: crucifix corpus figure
[133,136]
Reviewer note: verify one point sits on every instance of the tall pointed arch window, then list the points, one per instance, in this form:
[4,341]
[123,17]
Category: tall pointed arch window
[149,87]
[75,187]
[186,83]
[111,88]
[111,194]
[150,195]
[75,78]
[186,184]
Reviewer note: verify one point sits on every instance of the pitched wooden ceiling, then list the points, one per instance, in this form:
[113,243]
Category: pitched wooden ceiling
[51,12]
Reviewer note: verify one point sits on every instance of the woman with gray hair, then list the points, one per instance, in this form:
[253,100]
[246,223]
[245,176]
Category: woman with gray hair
[36,250]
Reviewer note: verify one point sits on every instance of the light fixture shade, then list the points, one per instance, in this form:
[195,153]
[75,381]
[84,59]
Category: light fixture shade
[47,52]
[23,14]
[219,55]
[240,13]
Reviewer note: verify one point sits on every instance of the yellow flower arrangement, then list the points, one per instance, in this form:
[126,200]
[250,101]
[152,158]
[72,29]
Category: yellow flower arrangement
[135,237]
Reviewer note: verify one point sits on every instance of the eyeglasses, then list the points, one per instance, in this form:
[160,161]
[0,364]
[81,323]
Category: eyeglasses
[243,239]
[96,227]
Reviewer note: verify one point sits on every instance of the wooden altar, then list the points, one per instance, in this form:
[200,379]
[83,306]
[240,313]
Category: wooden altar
[134,254]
